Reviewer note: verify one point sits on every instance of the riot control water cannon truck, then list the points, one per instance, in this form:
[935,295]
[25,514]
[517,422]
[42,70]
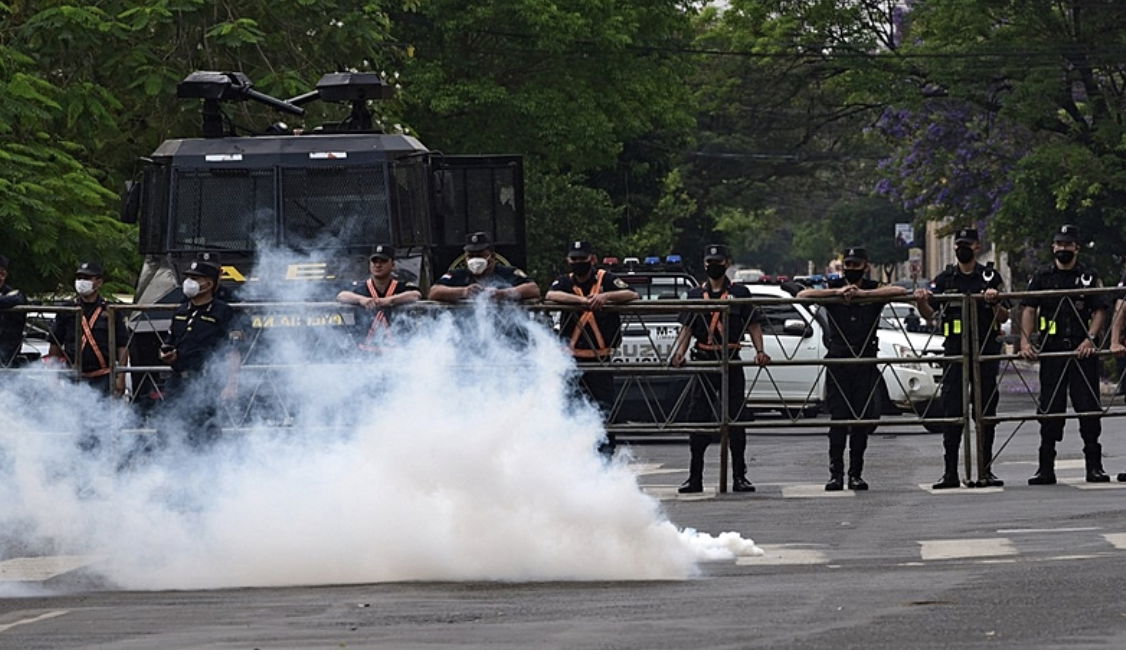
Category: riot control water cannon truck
[321,196]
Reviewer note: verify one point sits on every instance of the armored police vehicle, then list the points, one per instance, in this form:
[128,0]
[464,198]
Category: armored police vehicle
[294,213]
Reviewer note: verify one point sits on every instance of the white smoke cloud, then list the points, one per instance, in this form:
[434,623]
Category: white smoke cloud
[457,453]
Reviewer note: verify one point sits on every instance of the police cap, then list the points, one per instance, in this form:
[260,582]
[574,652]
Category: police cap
[478,242]
[205,266]
[966,235]
[1067,234]
[91,268]
[382,251]
[716,252]
[855,254]
[581,249]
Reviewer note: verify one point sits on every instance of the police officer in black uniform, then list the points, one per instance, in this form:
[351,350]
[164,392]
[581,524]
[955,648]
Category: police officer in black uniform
[707,330]
[592,334]
[482,275]
[1066,324]
[851,389]
[203,327]
[11,322]
[967,277]
[378,294]
[93,329]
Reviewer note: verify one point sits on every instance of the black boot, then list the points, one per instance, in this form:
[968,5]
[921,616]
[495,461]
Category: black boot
[836,475]
[950,472]
[855,481]
[1046,473]
[739,483]
[695,482]
[1093,453]
[1122,476]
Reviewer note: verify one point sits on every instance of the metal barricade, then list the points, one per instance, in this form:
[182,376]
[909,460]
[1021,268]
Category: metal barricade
[151,321]
[1010,361]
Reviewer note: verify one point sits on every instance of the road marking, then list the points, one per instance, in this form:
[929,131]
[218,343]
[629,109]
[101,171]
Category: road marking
[639,469]
[936,550]
[1046,530]
[813,490]
[1118,540]
[1082,484]
[666,492]
[784,555]
[40,568]
[45,616]
[1061,464]
[961,490]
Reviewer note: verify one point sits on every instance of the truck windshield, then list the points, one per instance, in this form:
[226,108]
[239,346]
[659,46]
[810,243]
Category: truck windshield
[223,209]
[325,206]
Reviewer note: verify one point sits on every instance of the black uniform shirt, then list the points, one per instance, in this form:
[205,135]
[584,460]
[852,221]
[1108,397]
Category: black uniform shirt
[501,277]
[66,328]
[609,323]
[953,280]
[11,325]
[740,317]
[198,331]
[852,325]
[1065,317]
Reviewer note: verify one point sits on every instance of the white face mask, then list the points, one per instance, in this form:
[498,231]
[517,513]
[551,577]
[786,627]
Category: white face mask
[190,288]
[84,286]
[477,265]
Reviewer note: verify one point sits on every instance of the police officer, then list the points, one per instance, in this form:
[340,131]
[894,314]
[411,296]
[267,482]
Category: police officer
[707,331]
[92,328]
[591,334]
[11,322]
[1066,324]
[482,275]
[967,277]
[381,291]
[850,389]
[202,326]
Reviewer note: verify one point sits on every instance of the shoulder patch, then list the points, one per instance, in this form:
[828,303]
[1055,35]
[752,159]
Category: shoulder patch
[447,277]
[620,283]
[518,272]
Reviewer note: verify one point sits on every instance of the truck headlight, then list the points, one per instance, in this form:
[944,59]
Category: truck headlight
[905,351]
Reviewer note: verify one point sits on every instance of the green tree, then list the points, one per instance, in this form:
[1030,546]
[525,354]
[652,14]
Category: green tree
[53,208]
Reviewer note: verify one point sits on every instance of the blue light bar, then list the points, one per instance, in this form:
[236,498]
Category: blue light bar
[652,261]
[673,258]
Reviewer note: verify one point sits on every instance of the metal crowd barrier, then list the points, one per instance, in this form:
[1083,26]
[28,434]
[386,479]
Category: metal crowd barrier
[636,313]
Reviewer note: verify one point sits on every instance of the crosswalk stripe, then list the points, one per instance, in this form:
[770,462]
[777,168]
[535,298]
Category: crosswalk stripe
[784,555]
[961,490]
[1082,484]
[40,568]
[813,490]
[1118,540]
[935,550]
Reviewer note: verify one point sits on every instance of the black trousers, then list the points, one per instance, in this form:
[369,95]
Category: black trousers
[598,385]
[952,384]
[1061,377]
[706,408]
[851,393]
[194,407]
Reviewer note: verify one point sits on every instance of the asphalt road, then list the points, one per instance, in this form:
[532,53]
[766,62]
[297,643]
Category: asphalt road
[895,567]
